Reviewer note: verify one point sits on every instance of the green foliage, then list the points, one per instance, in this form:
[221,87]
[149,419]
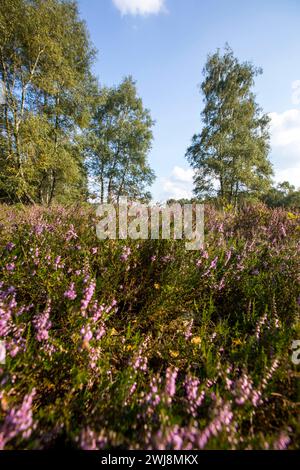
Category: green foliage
[45,68]
[284,195]
[117,142]
[232,149]
[185,344]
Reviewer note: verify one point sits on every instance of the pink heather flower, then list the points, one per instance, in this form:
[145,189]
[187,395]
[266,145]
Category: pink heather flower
[10,246]
[90,440]
[86,333]
[94,355]
[152,399]
[18,421]
[282,230]
[71,234]
[259,325]
[10,267]
[100,332]
[170,387]
[222,419]
[111,306]
[269,373]
[126,253]
[282,442]
[42,323]
[228,256]
[88,294]
[194,396]
[57,262]
[140,362]
[71,293]
[188,331]
[214,263]
[94,250]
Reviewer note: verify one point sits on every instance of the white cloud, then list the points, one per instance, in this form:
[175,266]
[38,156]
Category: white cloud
[285,141]
[292,175]
[296,92]
[178,185]
[140,7]
[285,138]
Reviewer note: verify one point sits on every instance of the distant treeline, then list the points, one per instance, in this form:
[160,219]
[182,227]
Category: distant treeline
[64,138]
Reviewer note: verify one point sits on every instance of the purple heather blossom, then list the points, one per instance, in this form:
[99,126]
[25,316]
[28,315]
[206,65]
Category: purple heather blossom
[18,421]
[42,323]
[170,387]
[100,332]
[212,265]
[194,396]
[71,293]
[222,419]
[140,362]
[10,246]
[88,294]
[71,234]
[126,253]
[10,267]
[90,440]
[86,333]
[282,442]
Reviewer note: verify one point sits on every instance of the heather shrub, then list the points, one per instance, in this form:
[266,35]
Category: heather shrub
[143,344]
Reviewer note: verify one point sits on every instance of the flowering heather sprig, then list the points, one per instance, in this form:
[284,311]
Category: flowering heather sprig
[259,325]
[269,373]
[10,246]
[111,306]
[194,396]
[10,267]
[131,391]
[71,234]
[126,253]
[153,398]
[96,311]
[282,442]
[170,387]
[243,389]
[171,438]
[90,440]
[87,296]
[140,361]
[223,419]
[228,257]
[56,262]
[42,324]
[100,332]
[5,320]
[212,266]
[188,329]
[94,355]
[87,334]
[18,421]
[71,293]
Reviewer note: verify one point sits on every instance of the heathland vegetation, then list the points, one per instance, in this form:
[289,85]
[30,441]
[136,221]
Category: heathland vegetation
[137,344]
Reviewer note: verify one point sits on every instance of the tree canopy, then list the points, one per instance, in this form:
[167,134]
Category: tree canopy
[230,155]
[117,142]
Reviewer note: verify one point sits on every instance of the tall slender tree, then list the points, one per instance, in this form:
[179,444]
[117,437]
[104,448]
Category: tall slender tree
[230,155]
[117,142]
[45,58]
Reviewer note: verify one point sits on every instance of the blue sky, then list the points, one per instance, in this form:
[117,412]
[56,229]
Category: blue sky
[163,44]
